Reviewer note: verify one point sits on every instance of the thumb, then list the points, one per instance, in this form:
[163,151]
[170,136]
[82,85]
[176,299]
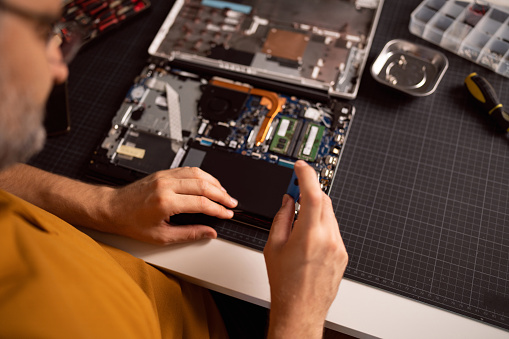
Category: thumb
[187,233]
[282,224]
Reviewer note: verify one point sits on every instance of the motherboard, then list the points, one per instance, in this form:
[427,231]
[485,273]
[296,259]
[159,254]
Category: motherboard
[248,138]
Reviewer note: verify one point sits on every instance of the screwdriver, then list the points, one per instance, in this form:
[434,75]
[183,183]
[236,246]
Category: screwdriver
[482,91]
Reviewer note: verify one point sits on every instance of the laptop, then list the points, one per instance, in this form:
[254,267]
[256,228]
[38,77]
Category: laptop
[243,89]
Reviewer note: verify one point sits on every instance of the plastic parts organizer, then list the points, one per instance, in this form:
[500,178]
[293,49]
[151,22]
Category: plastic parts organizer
[479,33]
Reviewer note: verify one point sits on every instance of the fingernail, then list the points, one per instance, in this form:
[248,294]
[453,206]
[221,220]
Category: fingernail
[301,163]
[286,199]
[235,202]
[230,213]
[210,236]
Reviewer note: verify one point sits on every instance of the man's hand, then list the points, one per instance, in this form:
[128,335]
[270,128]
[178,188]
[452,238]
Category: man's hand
[305,265]
[143,210]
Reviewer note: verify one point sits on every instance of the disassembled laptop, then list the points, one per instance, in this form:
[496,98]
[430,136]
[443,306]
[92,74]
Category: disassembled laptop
[283,67]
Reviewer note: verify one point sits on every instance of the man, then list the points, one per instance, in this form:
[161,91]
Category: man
[57,282]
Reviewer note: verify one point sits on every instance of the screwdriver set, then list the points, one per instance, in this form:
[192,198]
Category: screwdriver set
[99,16]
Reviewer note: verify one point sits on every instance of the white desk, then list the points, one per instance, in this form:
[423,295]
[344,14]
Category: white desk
[358,310]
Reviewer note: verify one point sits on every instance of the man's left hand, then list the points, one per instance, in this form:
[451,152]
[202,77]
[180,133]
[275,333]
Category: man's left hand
[143,209]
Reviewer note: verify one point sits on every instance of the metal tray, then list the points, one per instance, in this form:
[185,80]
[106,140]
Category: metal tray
[410,68]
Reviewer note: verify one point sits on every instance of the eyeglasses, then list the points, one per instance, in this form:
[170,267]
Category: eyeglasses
[71,33]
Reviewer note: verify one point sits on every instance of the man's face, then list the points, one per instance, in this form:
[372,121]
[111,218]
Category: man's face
[29,66]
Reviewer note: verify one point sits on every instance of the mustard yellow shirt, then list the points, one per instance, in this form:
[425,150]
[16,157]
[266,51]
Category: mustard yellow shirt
[56,282]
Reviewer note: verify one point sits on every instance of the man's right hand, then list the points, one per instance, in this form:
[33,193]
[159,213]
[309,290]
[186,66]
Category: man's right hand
[305,265]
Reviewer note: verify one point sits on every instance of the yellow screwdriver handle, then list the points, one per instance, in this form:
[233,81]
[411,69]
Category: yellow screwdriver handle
[482,91]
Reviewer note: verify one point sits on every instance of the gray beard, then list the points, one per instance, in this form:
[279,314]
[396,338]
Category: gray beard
[22,133]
